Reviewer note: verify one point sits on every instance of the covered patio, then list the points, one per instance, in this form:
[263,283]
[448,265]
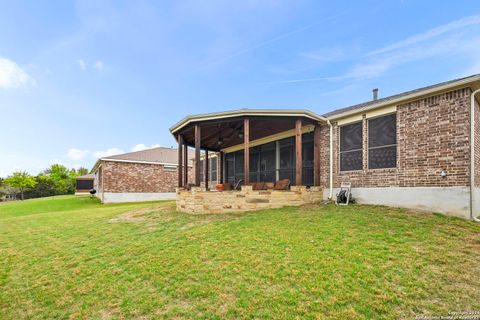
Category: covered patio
[253,148]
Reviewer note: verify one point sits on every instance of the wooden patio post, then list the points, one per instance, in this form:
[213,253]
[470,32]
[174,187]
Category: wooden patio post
[316,155]
[220,166]
[197,155]
[180,161]
[186,163]
[298,152]
[206,169]
[246,151]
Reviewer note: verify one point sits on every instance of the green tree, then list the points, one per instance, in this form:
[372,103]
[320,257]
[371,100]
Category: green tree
[45,187]
[2,187]
[21,180]
[81,171]
[61,177]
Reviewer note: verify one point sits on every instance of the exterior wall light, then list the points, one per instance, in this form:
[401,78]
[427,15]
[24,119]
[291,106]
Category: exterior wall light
[443,174]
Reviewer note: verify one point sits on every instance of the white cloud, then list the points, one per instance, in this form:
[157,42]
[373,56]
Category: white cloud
[77,154]
[81,64]
[376,66]
[98,65]
[327,54]
[458,38]
[13,76]
[108,152]
[454,38]
[141,146]
[430,34]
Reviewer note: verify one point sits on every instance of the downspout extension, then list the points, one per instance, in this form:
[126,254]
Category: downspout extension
[330,197]
[472,153]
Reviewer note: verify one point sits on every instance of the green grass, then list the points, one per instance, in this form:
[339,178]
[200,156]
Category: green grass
[68,257]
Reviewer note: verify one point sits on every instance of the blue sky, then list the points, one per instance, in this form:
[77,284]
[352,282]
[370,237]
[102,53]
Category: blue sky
[79,80]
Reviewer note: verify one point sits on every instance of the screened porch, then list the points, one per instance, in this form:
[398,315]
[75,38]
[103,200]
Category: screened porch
[249,146]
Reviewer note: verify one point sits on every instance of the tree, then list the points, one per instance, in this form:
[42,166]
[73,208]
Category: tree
[2,188]
[21,180]
[61,177]
[45,187]
[81,171]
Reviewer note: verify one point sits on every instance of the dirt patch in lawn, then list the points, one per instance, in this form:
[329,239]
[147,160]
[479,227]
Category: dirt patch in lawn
[142,215]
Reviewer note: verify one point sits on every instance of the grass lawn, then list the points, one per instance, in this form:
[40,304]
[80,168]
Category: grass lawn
[71,257]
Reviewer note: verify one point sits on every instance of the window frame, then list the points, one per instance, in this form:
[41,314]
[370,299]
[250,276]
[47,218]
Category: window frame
[384,146]
[340,146]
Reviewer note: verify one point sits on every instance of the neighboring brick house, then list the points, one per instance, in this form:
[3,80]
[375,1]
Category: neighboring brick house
[409,150]
[138,176]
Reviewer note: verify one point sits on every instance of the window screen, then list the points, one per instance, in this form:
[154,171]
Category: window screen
[213,169]
[307,159]
[202,170]
[382,142]
[351,138]
[84,184]
[230,167]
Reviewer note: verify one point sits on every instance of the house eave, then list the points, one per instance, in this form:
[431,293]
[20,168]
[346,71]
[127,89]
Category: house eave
[413,96]
[246,112]
[141,162]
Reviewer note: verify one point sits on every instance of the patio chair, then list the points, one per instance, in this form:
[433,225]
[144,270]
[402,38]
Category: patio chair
[283,184]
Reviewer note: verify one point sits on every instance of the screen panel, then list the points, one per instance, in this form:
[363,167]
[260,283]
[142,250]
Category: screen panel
[385,157]
[351,160]
[351,137]
[202,169]
[382,131]
[213,169]
[84,184]
[230,166]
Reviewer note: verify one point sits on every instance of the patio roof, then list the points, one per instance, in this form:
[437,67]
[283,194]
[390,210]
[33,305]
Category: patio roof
[246,112]
[227,127]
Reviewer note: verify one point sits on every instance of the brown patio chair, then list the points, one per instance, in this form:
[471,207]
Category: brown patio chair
[283,184]
[259,186]
[269,185]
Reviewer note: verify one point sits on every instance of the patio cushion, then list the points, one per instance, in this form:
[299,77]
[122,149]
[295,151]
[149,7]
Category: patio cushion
[283,184]
[259,186]
[269,185]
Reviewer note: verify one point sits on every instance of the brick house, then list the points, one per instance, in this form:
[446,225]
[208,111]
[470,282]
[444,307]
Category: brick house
[412,149]
[138,176]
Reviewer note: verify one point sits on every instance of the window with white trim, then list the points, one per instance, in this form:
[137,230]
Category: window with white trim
[351,147]
[382,142]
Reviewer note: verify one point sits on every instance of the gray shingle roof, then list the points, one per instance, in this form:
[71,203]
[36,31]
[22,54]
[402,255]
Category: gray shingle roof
[158,155]
[393,97]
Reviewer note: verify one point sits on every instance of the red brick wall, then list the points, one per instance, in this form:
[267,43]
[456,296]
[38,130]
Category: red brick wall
[432,134]
[138,177]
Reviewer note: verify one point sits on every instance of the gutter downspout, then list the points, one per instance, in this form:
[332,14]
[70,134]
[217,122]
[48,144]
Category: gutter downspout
[330,197]
[472,152]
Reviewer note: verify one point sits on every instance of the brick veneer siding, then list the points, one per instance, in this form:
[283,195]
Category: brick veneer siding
[432,134]
[127,177]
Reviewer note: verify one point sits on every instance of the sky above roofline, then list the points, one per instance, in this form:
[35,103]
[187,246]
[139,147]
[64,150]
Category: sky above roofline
[80,80]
